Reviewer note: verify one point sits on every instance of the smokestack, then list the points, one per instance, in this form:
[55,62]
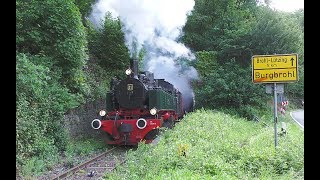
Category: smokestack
[134,67]
[149,26]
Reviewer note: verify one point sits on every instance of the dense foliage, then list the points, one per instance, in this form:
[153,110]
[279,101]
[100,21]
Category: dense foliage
[231,81]
[41,102]
[54,28]
[209,144]
[220,26]
[85,7]
[54,75]
[51,51]
[225,35]
[107,46]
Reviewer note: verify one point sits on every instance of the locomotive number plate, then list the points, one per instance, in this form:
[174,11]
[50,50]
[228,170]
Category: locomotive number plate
[130,87]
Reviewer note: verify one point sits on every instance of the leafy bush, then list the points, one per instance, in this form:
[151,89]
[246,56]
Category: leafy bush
[98,80]
[85,6]
[226,35]
[217,146]
[55,29]
[41,102]
[107,45]
[52,74]
[34,144]
[228,87]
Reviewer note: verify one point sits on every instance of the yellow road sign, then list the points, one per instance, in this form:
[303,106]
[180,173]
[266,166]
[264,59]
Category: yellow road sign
[274,68]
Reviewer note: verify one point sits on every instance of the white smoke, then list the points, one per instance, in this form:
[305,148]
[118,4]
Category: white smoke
[155,25]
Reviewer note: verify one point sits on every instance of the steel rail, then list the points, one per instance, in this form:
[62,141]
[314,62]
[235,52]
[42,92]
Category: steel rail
[77,168]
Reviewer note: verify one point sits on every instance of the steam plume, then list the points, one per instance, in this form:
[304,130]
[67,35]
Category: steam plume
[155,25]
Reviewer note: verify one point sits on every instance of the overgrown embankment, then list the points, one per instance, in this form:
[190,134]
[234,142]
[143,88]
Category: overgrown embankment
[62,62]
[210,144]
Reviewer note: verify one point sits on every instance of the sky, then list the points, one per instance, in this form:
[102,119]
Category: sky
[287,5]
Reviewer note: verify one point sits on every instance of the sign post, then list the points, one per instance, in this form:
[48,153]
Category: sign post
[275,114]
[273,69]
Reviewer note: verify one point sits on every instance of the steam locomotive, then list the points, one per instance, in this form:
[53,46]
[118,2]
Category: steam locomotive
[137,107]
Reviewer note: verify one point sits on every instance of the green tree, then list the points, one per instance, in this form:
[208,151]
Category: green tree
[225,36]
[41,102]
[206,63]
[219,26]
[275,33]
[226,87]
[85,7]
[280,33]
[107,46]
[53,28]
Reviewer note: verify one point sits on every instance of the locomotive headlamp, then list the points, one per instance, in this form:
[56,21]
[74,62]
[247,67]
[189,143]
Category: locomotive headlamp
[153,111]
[102,113]
[128,71]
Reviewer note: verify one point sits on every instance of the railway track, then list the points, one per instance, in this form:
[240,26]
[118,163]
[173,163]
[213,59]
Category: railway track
[96,167]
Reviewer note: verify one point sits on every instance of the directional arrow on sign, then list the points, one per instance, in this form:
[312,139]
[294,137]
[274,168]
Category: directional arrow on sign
[292,61]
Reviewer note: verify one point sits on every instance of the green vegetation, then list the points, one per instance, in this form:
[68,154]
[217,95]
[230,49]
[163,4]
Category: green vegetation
[225,35]
[54,29]
[73,155]
[210,144]
[81,148]
[62,61]
[39,98]
[107,47]
[56,71]
[233,82]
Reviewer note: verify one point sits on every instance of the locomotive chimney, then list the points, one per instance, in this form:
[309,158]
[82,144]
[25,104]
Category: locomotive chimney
[134,67]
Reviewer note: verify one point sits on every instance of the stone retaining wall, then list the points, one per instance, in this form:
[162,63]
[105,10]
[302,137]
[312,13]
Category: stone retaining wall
[78,120]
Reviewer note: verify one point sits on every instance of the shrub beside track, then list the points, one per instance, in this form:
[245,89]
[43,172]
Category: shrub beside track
[210,144]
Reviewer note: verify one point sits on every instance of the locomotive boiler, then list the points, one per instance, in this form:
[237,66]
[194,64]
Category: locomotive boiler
[137,107]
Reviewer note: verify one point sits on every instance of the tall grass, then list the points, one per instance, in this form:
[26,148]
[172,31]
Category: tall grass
[210,144]
[73,155]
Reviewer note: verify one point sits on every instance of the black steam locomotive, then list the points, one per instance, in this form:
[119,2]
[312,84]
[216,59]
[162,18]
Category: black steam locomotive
[137,106]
